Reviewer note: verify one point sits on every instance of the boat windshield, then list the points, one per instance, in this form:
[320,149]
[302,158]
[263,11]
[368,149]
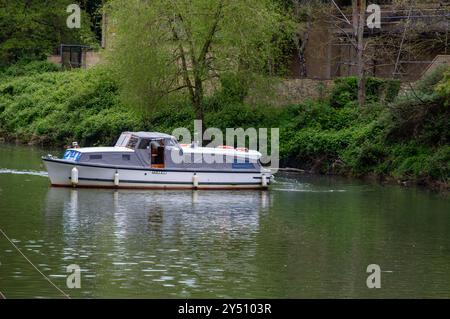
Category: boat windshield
[171,142]
[132,142]
[72,155]
[123,139]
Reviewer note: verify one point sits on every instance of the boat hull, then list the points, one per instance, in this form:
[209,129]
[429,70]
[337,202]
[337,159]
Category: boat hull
[102,176]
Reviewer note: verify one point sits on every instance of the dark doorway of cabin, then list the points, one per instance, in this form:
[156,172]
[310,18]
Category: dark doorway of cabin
[157,153]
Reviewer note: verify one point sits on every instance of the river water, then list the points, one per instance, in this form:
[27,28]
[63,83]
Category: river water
[307,237]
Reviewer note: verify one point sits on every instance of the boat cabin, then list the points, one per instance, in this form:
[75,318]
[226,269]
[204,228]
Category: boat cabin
[162,151]
[150,148]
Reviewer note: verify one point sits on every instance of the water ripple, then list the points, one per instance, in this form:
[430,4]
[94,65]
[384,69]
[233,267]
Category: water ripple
[309,190]
[24,172]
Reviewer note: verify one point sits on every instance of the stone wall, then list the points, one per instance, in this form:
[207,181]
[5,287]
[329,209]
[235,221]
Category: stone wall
[290,91]
[92,58]
[298,90]
[55,59]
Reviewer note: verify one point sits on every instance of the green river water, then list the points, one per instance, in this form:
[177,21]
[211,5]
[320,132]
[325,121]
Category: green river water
[308,237]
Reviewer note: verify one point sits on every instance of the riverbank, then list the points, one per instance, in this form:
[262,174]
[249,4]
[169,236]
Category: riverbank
[404,139]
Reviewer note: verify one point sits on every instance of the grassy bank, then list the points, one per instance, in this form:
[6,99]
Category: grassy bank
[404,138]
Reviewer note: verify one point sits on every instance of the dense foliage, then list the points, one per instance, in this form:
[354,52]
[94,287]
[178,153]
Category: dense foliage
[31,30]
[408,139]
[29,68]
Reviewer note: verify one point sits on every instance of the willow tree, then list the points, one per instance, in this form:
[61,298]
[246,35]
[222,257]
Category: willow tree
[167,48]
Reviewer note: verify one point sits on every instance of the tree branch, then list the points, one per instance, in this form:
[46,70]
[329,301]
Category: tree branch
[183,61]
[211,33]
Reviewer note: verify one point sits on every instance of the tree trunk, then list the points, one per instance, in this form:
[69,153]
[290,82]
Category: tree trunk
[303,73]
[197,101]
[301,40]
[359,10]
[302,48]
[199,67]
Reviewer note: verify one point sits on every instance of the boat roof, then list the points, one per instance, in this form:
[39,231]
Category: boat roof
[150,134]
[221,151]
[109,149]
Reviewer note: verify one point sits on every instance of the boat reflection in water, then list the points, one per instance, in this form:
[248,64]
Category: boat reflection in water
[182,241]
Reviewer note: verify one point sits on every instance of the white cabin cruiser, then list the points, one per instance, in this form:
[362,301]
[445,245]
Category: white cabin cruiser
[156,160]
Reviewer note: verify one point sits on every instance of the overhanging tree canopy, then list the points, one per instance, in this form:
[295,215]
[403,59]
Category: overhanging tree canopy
[162,47]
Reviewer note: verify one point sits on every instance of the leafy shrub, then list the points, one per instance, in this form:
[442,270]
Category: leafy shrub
[362,158]
[425,119]
[419,161]
[428,83]
[345,90]
[29,68]
[389,90]
[59,107]
[234,87]
[439,164]
[322,115]
[241,115]
[443,88]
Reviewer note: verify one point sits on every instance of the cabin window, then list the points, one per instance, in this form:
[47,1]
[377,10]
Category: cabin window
[143,144]
[123,139]
[95,157]
[171,142]
[126,157]
[132,142]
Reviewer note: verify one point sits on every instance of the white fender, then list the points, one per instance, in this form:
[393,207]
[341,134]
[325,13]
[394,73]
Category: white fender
[74,176]
[195,180]
[116,179]
[264,181]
